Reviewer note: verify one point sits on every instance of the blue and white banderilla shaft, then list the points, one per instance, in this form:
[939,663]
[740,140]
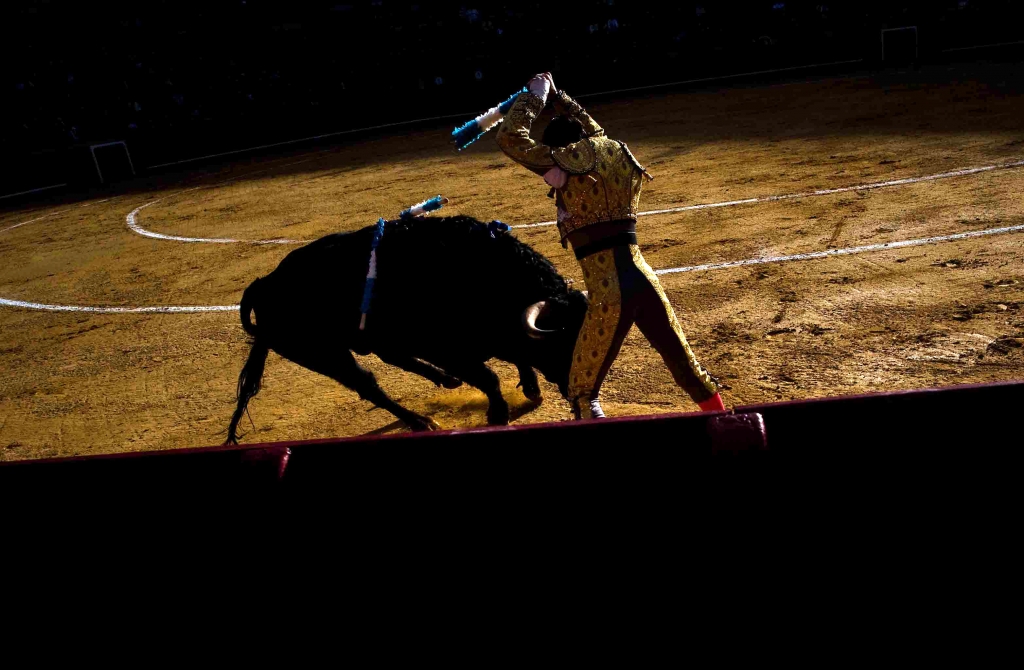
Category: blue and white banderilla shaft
[471,131]
[371,274]
[419,209]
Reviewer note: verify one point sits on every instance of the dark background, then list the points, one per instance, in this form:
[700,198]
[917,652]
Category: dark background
[182,79]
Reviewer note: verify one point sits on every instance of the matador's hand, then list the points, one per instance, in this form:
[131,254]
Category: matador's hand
[540,85]
[551,80]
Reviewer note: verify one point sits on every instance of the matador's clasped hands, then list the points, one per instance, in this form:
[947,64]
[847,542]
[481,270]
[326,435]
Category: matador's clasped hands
[541,85]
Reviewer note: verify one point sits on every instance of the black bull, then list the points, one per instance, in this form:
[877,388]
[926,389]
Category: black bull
[451,293]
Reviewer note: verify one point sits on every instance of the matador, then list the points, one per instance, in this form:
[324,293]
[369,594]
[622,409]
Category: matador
[596,183]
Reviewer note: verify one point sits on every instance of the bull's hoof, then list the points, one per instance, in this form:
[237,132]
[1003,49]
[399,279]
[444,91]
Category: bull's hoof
[497,416]
[532,392]
[421,424]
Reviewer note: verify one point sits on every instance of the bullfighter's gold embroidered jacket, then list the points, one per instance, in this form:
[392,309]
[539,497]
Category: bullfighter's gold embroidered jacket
[605,179]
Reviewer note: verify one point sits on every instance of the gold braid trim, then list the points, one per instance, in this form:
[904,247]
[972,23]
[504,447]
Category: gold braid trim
[594,344]
[576,158]
[514,134]
[635,161]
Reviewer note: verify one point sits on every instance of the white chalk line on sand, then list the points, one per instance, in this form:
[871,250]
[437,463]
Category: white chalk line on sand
[46,216]
[132,218]
[147,233]
[133,225]
[25,223]
[693,268]
[845,252]
[181,309]
[158,309]
[809,194]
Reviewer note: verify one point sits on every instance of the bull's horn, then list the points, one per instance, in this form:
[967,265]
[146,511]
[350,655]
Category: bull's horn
[530,315]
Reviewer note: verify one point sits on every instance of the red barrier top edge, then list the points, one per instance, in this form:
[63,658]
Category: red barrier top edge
[810,403]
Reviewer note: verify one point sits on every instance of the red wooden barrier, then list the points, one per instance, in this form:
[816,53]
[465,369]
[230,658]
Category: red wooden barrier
[629,452]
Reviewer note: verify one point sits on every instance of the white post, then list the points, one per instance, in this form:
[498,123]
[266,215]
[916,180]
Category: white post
[92,150]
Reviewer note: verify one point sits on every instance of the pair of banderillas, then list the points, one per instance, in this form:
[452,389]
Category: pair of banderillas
[419,209]
[463,136]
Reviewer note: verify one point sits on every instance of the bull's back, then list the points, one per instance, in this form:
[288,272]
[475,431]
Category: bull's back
[318,286]
[453,282]
[436,278]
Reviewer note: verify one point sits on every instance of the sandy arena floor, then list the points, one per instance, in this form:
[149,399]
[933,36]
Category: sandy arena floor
[942,313]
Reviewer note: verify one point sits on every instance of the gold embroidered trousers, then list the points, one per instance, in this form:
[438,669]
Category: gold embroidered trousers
[624,290]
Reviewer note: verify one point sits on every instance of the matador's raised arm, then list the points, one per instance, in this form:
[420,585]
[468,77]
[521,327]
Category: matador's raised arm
[566,106]
[514,134]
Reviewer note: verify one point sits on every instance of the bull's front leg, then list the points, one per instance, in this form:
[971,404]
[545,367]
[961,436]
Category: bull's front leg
[528,382]
[341,366]
[421,368]
[478,375]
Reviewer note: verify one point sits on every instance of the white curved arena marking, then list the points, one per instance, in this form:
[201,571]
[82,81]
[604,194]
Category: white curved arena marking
[828,191]
[25,223]
[46,216]
[179,309]
[192,309]
[844,252]
[132,218]
[133,225]
[692,268]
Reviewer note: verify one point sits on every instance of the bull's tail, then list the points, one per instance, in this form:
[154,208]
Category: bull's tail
[248,385]
[248,303]
[250,378]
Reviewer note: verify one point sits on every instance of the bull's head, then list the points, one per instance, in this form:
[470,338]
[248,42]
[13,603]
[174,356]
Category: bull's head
[530,316]
[536,311]
[552,326]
